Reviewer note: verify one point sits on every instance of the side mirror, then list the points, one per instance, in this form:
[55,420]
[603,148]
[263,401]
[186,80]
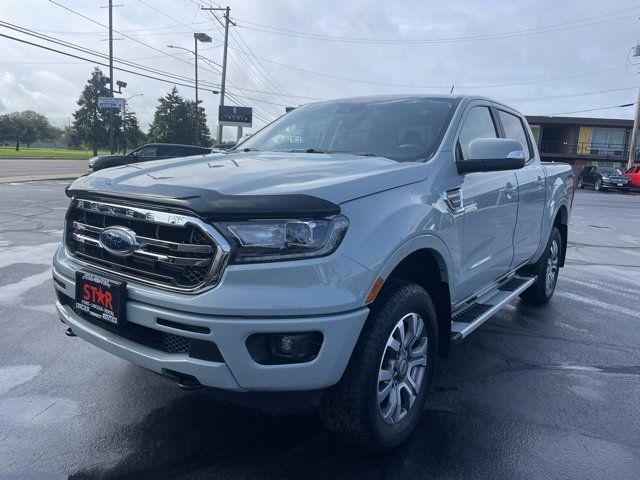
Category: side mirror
[492,155]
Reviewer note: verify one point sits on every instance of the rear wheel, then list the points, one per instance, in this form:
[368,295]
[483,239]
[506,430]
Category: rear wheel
[546,269]
[380,398]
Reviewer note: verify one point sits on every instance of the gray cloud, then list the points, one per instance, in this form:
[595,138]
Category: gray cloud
[50,83]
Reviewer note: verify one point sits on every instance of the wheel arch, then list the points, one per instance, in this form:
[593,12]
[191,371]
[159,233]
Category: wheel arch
[561,222]
[426,262]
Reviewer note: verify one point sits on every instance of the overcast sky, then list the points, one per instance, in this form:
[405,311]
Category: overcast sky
[520,52]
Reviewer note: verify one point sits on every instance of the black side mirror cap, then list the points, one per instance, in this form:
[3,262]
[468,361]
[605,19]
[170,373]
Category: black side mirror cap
[489,164]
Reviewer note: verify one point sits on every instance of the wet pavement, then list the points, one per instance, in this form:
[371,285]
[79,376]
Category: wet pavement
[550,392]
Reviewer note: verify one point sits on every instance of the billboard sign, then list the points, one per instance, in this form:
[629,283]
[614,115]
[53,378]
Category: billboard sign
[235,116]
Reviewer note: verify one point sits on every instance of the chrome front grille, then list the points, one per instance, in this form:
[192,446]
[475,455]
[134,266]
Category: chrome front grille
[173,251]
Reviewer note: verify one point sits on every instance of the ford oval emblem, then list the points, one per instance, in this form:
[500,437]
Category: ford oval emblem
[119,241]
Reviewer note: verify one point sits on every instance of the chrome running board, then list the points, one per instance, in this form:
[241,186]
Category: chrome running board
[471,316]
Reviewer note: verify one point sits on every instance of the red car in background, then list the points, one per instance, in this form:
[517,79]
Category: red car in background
[634,175]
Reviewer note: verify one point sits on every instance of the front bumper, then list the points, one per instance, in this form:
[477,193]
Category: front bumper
[237,370]
[616,186]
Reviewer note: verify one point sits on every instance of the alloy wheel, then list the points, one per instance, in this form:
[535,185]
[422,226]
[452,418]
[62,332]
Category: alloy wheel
[402,368]
[552,267]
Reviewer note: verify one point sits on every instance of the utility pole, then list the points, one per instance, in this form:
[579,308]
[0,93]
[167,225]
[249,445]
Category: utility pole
[636,120]
[195,41]
[634,134]
[224,57]
[111,113]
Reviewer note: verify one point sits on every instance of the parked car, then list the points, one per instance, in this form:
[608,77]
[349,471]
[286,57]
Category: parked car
[150,151]
[331,259]
[633,174]
[224,146]
[603,178]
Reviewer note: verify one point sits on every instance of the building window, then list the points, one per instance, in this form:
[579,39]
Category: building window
[607,141]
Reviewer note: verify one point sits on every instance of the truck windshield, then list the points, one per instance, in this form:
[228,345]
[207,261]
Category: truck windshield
[404,130]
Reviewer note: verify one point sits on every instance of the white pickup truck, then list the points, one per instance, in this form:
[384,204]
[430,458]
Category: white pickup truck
[334,257]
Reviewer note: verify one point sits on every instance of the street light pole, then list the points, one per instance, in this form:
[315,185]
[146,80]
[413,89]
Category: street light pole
[111,113]
[197,37]
[124,118]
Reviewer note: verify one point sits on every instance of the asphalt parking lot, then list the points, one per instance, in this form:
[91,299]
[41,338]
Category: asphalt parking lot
[548,392]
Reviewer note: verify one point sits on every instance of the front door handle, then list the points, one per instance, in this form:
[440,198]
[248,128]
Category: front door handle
[454,200]
[510,189]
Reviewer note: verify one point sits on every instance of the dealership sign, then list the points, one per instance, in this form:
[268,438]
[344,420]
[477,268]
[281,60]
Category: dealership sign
[235,116]
[110,102]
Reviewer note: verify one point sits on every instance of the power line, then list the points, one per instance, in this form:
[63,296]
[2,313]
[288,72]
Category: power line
[554,97]
[515,33]
[595,109]
[95,62]
[445,87]
[82,49]
[123,34]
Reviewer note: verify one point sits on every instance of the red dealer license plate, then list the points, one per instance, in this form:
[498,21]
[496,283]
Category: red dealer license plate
[100,297]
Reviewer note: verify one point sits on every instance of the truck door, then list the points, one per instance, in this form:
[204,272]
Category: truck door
[490,208]
[531,191]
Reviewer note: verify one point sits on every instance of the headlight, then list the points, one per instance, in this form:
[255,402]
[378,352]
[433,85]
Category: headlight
[286,239]
[606,179]
[92,161]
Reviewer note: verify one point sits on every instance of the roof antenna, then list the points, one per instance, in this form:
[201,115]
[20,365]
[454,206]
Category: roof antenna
[452,87]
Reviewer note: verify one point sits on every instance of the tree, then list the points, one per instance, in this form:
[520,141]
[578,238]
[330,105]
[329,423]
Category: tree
[91,123]
[204,139]
[132,135]
[174,121]
[25,127]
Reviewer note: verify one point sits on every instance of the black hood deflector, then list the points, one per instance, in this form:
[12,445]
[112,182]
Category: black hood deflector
[209,203]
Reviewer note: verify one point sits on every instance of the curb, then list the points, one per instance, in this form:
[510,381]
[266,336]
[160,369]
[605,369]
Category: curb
[37,178]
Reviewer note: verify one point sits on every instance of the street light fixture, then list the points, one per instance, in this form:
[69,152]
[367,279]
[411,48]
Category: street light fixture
[197,37]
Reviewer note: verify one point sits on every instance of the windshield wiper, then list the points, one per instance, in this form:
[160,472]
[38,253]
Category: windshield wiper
[308,150]
[250,150]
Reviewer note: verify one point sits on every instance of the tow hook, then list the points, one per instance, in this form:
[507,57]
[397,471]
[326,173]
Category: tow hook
[187,383]
[69,333]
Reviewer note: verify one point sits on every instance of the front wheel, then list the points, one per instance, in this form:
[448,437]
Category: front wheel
[380,398]
[580,183]
[598,185]
[546,269]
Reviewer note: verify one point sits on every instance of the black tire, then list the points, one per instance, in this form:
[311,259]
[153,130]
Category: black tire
[598,185]
[580,183]
[541,292]
[351,408]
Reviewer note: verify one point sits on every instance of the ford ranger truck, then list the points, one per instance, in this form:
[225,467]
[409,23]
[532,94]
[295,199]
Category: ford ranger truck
[332,258]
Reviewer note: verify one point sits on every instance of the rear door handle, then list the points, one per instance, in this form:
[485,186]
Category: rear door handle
[540,183]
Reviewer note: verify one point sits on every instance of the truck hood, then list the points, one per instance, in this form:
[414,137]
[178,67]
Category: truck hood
[335,178]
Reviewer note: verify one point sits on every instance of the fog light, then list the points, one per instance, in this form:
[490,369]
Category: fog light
[284,344]
[285,347]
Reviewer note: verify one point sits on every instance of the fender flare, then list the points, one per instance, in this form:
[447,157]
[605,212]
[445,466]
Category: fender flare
[420,242]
